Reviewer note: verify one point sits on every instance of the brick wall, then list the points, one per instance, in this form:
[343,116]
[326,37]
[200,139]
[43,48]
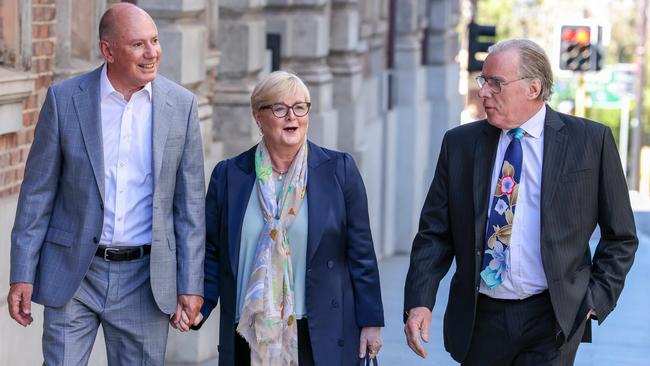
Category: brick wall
[14,147]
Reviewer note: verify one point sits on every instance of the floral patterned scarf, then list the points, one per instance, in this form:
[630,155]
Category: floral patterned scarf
[268,321]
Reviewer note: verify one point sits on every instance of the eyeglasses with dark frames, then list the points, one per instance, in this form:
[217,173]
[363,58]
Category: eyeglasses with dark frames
[494,84]
[281,110]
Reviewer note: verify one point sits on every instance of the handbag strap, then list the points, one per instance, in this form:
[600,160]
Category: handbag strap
[367,361]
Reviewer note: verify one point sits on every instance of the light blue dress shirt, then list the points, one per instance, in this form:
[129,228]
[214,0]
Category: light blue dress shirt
[526,275]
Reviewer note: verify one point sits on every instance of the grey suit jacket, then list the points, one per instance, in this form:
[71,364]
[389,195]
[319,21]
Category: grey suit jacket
[60,207]
[582,186]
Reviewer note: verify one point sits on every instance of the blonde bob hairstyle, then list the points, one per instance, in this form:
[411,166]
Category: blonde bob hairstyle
[276,86]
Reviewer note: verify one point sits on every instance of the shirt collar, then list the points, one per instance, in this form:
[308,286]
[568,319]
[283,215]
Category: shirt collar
[106,88]
[535,125]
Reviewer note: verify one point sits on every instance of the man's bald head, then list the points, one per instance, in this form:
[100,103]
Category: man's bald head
[111,19]
[129,44]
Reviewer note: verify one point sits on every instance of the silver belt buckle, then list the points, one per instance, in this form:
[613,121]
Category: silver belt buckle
[107,250]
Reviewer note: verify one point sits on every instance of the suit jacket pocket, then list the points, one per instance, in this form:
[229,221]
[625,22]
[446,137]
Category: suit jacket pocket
[171,241]
[58,236]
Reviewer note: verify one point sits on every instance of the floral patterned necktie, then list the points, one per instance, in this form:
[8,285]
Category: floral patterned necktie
[502,213]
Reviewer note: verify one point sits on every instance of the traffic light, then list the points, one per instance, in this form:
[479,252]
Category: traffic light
[475,45]
[580,48]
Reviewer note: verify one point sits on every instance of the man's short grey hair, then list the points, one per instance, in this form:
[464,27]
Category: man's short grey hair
[533,63]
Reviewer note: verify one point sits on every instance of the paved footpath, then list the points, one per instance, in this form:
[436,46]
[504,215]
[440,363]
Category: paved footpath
[622,340]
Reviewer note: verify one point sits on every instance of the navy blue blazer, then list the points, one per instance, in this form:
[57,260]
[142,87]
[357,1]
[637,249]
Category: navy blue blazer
[342,280]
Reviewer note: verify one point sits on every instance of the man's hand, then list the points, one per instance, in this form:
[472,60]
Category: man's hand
[19,300]
[417,325]
[187,312]
[370,340]
[590,313]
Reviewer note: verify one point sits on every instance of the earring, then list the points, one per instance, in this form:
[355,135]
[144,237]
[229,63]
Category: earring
[260,130]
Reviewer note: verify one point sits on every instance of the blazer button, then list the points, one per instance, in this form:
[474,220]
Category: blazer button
[340,342]
[95,240]
[330,264]
[335,304]
[478,253]
[101,206]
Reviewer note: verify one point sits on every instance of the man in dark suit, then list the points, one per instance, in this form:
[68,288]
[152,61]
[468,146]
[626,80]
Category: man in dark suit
[514,201]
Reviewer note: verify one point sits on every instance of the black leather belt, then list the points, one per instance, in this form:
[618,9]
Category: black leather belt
[120,254]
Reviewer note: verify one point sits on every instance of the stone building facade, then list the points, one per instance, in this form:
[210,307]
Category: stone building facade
[382,74]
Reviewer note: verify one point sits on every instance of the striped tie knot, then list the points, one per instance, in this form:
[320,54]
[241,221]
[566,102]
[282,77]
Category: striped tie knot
[517,133]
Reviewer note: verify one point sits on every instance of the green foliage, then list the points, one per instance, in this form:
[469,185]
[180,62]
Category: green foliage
[496,12]
[624,32]
[514,18]
[607,116]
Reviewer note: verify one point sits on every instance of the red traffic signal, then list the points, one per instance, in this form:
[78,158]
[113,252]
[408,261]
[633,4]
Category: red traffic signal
[578,35]
[579,51]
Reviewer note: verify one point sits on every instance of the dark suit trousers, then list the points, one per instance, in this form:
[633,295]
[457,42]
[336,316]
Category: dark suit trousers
[305,354]
[519,333]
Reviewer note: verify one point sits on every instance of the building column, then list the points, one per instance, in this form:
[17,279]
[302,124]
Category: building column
[443,72]
[408,129]
[212,143]
[374,107]
[344,61]
[305,39]
[357,63]
[242,42]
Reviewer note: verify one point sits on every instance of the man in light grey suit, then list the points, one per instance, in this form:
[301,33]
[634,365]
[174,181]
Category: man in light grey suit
[110,223]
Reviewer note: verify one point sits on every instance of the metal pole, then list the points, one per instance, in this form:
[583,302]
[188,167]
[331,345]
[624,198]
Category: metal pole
[580,97]
[624,132]
[637,128]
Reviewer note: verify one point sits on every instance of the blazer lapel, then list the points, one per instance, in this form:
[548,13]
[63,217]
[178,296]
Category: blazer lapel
[484,155]
[87,106]
[240,183]
[321,188]
[161,121]
[555,146]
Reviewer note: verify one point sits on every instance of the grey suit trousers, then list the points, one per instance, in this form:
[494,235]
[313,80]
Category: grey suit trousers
[118,296]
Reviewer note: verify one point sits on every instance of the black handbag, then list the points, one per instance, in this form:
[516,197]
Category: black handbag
[367,361]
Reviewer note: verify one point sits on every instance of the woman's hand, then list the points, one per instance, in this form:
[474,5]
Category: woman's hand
[370,340]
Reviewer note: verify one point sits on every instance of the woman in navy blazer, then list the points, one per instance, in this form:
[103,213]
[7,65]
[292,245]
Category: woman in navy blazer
[337,280]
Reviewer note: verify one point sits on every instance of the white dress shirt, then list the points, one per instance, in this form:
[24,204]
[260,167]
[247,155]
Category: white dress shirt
[128,184]
[525,276]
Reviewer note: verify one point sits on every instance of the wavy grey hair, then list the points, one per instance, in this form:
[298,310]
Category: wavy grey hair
[533,63]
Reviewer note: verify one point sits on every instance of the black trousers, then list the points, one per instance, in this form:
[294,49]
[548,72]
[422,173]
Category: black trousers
[520,333]
[305,354]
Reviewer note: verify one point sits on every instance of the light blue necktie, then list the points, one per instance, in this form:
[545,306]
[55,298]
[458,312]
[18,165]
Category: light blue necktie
[502,213]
